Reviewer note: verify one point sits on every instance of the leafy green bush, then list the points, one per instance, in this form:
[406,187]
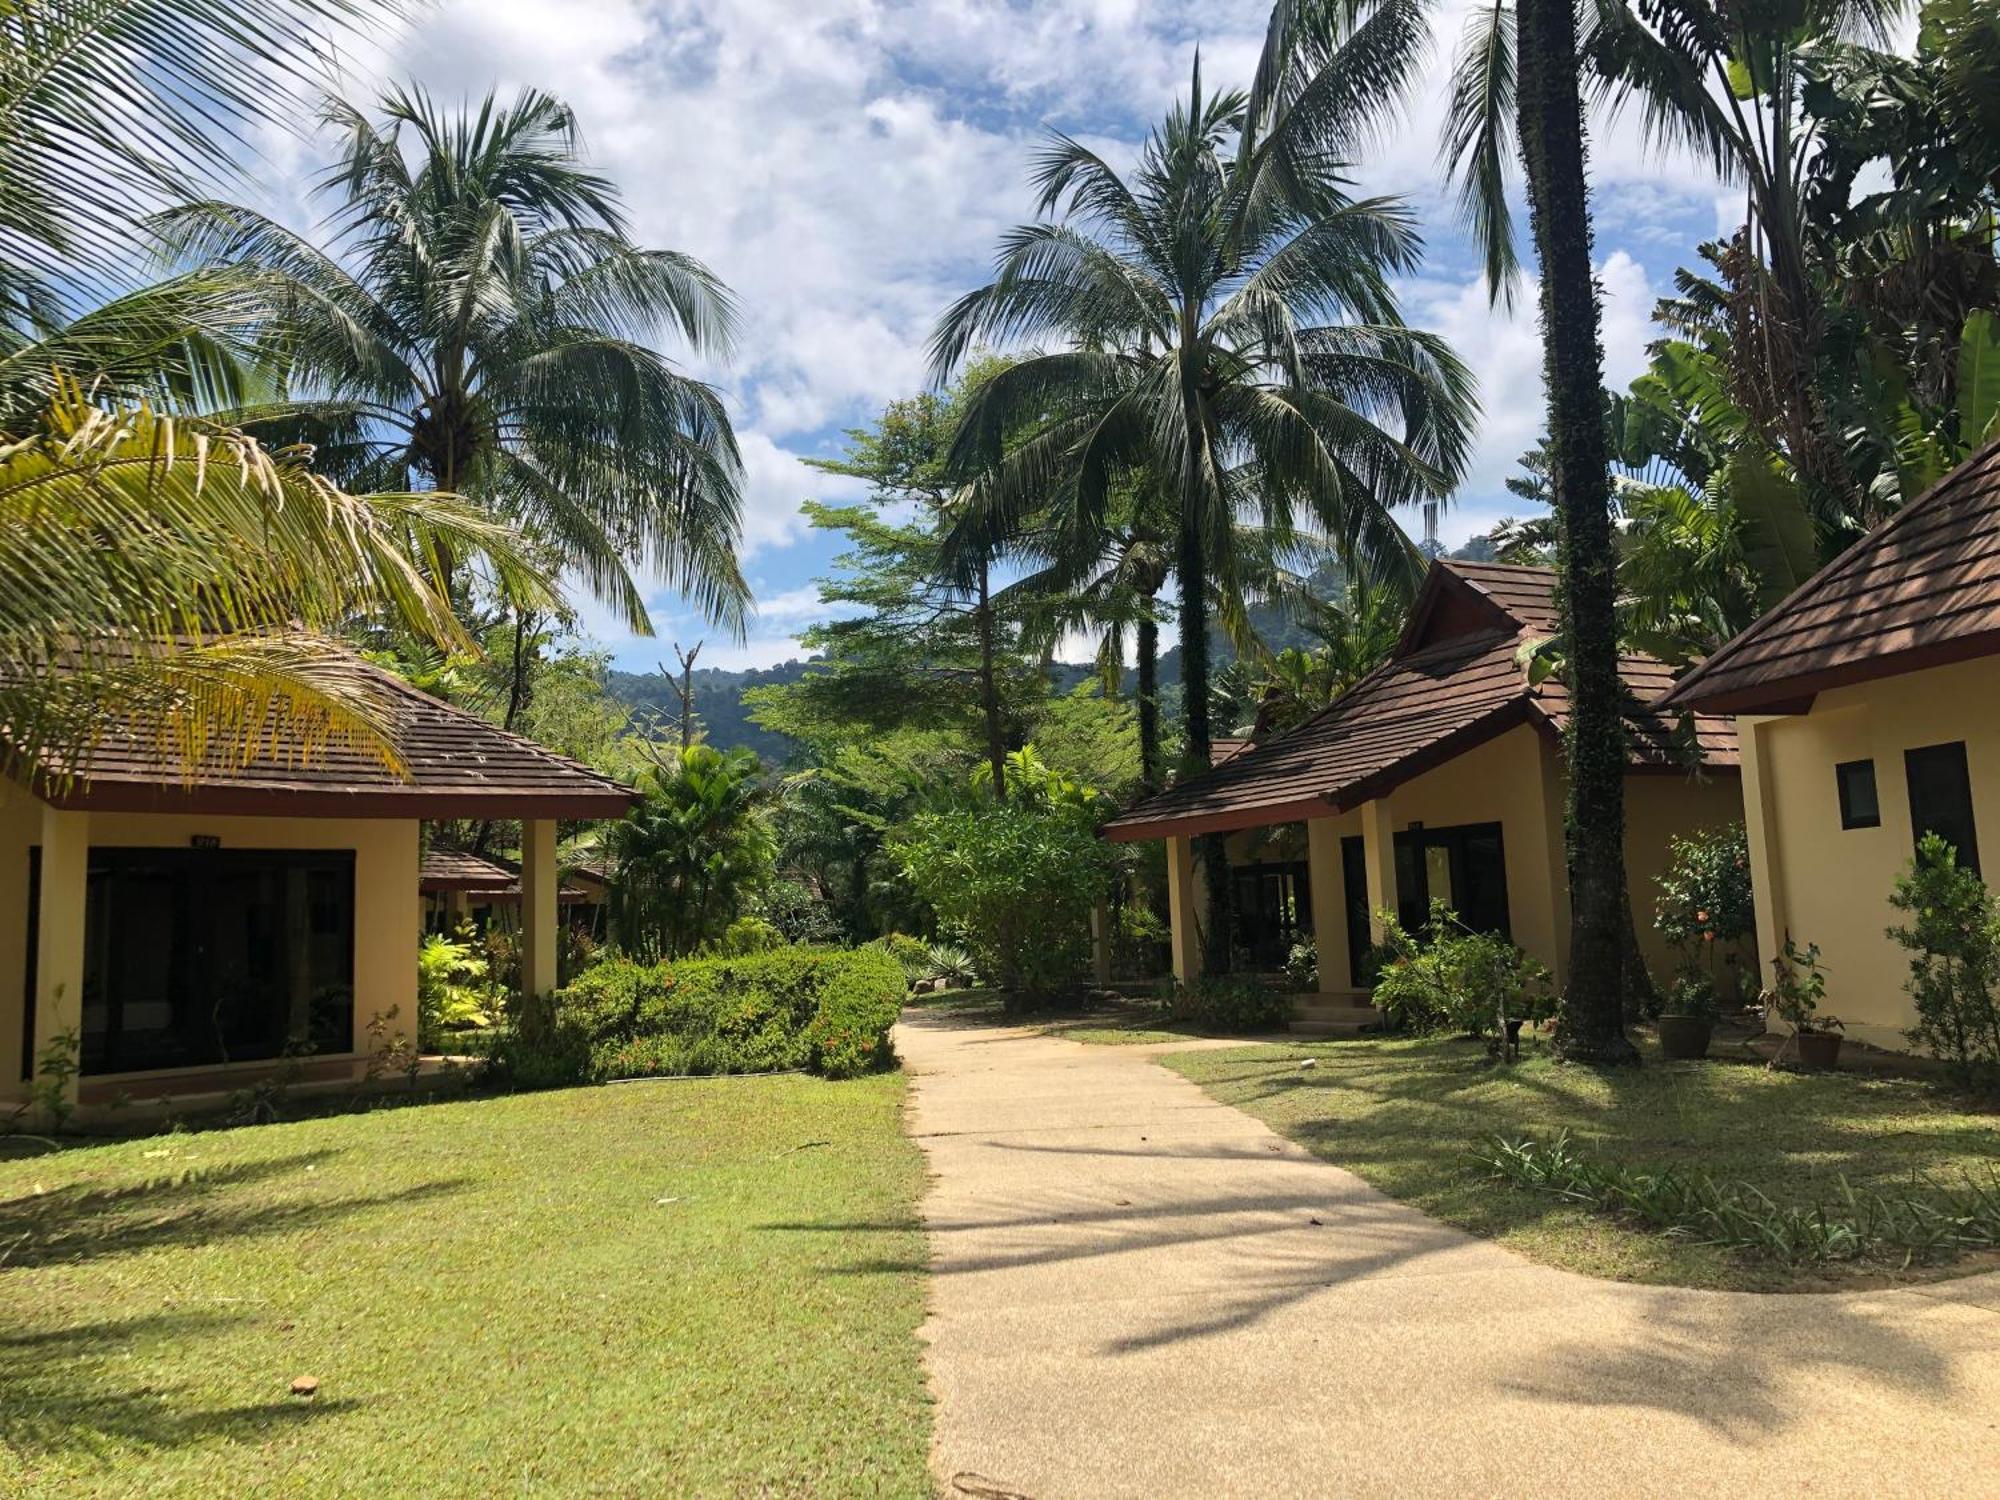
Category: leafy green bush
[912,953]
[1948,1221]
[1302,965]
[1705,909]
[451,989]
[744,936]
[825,1010]
[1229,1003]
[1954,943]
[1016,880]
[1450,978]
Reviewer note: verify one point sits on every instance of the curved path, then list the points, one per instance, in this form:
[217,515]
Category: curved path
[1142,1292]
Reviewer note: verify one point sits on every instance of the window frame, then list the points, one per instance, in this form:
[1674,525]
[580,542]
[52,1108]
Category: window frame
[1849,817]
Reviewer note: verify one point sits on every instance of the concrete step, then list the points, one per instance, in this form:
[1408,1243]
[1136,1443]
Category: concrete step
[1330,1028]
[1333,1017]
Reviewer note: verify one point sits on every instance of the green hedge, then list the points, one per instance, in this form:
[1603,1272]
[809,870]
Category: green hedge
[825,1010]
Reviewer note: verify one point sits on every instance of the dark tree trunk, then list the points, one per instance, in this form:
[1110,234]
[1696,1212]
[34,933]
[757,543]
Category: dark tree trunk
[1149,705]
[989,688]
[1210,849]
[1591,1023]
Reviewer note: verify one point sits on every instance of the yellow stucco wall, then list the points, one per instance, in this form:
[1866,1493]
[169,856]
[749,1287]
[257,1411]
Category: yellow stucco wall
[1828,885]
[1515,780]
[386,911]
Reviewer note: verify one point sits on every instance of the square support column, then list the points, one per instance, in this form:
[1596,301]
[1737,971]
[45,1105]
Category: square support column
[1767,871]
[539,934]
[1329,905]
[1183,909]
[64,892]
[1378,843]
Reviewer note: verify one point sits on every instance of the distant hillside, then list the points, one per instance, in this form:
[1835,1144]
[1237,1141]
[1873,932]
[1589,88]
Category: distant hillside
[718,703]
[718,693]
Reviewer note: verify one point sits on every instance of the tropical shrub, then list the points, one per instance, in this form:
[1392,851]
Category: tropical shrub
[1302,965]
[1954,940]
[912,953]
[1450,978]
[1798,984]
[746,935]
[1229,1003]
[1015,880]
[687,861]
[951,963]
[1705,910]
[452,993]
[827,1011]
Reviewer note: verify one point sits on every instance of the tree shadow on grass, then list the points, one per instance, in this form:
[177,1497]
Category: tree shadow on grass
[77,1389]
[197,1206]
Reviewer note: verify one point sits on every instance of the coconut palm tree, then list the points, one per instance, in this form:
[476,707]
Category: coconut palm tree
[205,612]
[1517,84]
[209,618]
[480,322]
[1228,323]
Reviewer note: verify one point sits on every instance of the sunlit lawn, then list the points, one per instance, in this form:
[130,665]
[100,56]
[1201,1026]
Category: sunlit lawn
[637,1290]
[1406,1115]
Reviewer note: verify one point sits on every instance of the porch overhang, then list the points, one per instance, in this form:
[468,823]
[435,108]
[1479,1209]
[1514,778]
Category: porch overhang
[431,804]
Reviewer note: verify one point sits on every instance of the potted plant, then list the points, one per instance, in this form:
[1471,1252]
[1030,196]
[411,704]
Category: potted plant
[1798,985]
[1705,910]
[1687,1025]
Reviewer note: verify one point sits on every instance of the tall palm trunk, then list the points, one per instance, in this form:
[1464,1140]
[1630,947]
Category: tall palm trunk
[1210,848]
[989,687]
[1149,705]
[1591,1025]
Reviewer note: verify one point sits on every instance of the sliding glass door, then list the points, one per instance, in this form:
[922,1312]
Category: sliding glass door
[202,956]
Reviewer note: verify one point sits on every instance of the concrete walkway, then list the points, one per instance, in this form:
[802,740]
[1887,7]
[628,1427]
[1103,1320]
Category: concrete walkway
[1141,1292]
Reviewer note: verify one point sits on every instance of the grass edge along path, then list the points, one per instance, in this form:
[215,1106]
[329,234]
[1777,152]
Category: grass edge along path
[690,1288]
[1411,1117]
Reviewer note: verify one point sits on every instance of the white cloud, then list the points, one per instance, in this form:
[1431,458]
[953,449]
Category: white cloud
[1505,352]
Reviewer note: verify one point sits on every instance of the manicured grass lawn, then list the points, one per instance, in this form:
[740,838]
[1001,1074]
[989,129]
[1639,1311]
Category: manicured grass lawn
[1127,1025]
[640,1290]
[1406,1115]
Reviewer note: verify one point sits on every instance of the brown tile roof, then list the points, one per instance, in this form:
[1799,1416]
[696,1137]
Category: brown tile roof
[492,880]
[1920,590]
[1435,699]
[445,869]
[456,765]
[1227,749]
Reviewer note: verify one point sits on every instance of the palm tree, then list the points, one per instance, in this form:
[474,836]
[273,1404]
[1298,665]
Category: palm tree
[480,324]
[207,617]
[209,620]
[1518,69]
[1729,82]
[688,857]
[1230,326]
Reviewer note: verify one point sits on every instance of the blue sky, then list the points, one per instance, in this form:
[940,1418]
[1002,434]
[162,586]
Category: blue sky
[847,165]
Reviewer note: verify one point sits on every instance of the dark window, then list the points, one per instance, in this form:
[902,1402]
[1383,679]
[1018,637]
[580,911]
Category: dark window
[1859,806]
[202,956]
[1361,968]
[1941,798]
[1464,866]
[1273,911]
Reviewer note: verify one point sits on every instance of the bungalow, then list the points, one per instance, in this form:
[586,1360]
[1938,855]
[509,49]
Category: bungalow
[459,886]
[1439,775]
[1868,707]
[188,930]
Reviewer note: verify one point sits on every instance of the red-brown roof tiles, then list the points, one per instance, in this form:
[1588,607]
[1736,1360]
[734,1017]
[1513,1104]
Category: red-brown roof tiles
[1920,590]
[1434,700]
[456,766]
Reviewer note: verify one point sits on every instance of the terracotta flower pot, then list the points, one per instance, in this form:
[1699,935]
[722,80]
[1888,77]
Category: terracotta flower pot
[1684,1038]
[1818,1050]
